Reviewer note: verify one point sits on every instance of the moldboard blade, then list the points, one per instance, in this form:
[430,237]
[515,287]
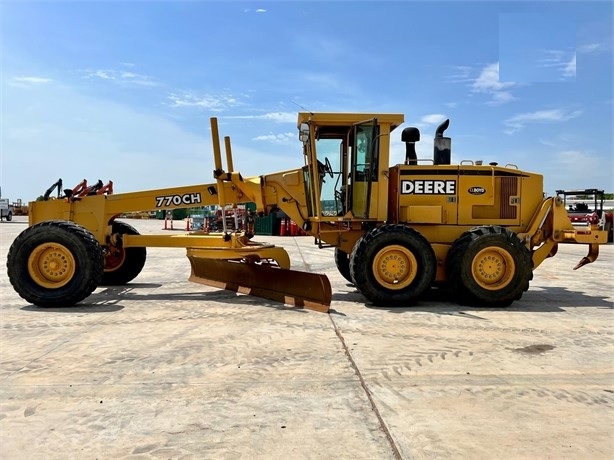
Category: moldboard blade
[299,289]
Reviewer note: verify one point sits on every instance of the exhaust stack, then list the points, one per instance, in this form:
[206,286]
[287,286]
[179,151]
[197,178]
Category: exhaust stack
[442,146]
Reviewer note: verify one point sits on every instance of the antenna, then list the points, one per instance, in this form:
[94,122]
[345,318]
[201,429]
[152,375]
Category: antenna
[300,106]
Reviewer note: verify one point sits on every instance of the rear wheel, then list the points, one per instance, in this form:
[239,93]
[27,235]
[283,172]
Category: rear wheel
[9,217]
[122,265]
[393,265]
[489,266]
[55,264]
[342,261]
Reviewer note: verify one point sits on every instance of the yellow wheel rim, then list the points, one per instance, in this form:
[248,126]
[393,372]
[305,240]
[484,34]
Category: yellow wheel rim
[395,267]
[51,265]
[493,268]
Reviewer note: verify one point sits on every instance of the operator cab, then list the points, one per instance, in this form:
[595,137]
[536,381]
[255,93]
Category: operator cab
[349,154]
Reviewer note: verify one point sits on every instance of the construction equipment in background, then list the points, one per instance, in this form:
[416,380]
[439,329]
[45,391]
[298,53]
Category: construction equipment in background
[19,209]
[479,230]
[585,208]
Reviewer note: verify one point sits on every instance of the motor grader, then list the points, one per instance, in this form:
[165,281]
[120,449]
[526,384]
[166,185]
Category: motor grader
[397,231]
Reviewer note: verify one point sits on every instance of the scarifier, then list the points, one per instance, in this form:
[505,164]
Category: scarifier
[397,231]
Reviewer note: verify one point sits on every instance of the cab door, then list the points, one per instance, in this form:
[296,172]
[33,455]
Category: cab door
[363,172]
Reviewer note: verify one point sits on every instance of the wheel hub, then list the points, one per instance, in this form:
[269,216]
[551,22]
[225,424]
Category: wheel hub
[113,258]
[493,268]
[395,267]
[51,265]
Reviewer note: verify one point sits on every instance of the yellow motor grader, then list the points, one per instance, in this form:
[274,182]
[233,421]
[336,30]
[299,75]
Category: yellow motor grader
[397,231]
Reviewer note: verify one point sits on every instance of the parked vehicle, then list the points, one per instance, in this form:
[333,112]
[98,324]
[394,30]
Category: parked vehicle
[6,210]
[585,209]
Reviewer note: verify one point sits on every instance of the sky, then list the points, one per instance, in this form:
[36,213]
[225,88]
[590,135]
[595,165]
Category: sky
[123,91]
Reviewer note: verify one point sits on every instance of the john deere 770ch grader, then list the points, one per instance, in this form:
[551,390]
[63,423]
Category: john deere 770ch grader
[397,231]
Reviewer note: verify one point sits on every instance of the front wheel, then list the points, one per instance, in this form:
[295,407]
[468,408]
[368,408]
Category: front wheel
[489,266]
[393,265]
[55,264]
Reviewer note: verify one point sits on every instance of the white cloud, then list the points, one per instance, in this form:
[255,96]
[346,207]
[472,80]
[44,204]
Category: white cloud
[519,121]
[121,77]
[562,60]
[278,138]
[211,102]
[260,10]
[22,81]
[501,97]
[429,120]
[104,74]
[589,48]
[488,83]
[281,117]
[461,74]
[433,118]
[570,68]
[278,117]
[488,80]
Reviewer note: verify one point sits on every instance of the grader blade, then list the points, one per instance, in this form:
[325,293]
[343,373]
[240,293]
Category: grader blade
[300,289]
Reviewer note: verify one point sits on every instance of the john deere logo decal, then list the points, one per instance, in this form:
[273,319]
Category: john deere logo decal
[477,190]
[428,187]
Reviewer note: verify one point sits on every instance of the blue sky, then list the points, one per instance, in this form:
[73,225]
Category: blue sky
[123,91]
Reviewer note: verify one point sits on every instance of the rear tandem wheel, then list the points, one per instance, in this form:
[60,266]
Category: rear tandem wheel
[489,266]
[55,264]
[393,265]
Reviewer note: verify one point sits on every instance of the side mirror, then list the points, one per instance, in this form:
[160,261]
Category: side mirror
[303,133]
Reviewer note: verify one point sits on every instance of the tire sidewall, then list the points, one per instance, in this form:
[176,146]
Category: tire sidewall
[342,261]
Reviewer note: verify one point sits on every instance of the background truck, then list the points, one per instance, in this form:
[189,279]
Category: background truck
[6,209]
[397,231]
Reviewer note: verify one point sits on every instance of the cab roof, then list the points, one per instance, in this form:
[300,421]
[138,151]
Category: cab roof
[349,119]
